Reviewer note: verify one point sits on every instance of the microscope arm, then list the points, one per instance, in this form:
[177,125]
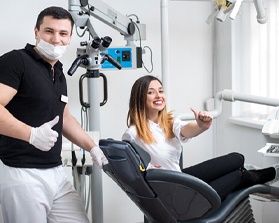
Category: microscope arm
[111,17]
[81,10]
[80,18]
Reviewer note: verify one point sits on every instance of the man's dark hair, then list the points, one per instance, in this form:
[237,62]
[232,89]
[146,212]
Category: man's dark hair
[56,13]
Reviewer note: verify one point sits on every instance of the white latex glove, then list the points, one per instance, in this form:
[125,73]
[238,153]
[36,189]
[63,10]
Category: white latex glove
[44,137]
[98,156]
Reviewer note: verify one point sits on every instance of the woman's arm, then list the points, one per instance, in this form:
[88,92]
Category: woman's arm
[203,122]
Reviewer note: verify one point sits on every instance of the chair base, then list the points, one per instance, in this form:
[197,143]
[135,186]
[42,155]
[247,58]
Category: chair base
[242,213]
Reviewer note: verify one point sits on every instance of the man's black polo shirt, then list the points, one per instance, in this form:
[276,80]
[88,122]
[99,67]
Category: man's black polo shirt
[38,100]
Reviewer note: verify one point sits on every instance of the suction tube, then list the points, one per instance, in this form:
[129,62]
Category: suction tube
[261,15]
[229,95]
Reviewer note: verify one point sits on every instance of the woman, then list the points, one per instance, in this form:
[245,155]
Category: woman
[160,134]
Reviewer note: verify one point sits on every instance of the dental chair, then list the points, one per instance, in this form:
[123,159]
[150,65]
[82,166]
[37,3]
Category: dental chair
[166,196]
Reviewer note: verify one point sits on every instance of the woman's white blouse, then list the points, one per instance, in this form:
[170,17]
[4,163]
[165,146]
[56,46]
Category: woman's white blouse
[165,153]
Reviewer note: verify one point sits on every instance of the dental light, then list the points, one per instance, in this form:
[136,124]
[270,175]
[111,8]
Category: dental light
[223,7]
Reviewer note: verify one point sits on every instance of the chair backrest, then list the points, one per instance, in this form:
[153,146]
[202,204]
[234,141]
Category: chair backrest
[162,195]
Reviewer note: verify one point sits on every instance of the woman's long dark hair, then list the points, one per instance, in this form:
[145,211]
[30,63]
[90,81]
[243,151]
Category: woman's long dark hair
[137,111]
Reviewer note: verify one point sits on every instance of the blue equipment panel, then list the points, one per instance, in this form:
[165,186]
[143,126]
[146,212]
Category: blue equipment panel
[122,55]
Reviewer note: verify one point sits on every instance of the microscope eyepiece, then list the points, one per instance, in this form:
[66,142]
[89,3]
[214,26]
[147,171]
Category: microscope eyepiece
[96,43]
[106,41]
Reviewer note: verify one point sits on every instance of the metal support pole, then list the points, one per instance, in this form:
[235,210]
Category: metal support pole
[94,125]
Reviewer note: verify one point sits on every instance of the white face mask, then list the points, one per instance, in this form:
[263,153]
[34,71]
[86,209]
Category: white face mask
[50,51]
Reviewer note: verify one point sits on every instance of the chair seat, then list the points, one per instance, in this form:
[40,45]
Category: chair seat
[166,196]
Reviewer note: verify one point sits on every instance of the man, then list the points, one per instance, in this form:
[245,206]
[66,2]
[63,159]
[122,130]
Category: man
[33,116]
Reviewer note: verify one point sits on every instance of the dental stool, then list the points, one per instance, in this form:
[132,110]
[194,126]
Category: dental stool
[166,196]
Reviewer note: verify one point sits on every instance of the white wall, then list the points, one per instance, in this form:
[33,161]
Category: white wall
[231,137]
[190,73]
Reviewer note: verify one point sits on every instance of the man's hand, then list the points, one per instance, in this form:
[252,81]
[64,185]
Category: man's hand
[43,137]
[98,156]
